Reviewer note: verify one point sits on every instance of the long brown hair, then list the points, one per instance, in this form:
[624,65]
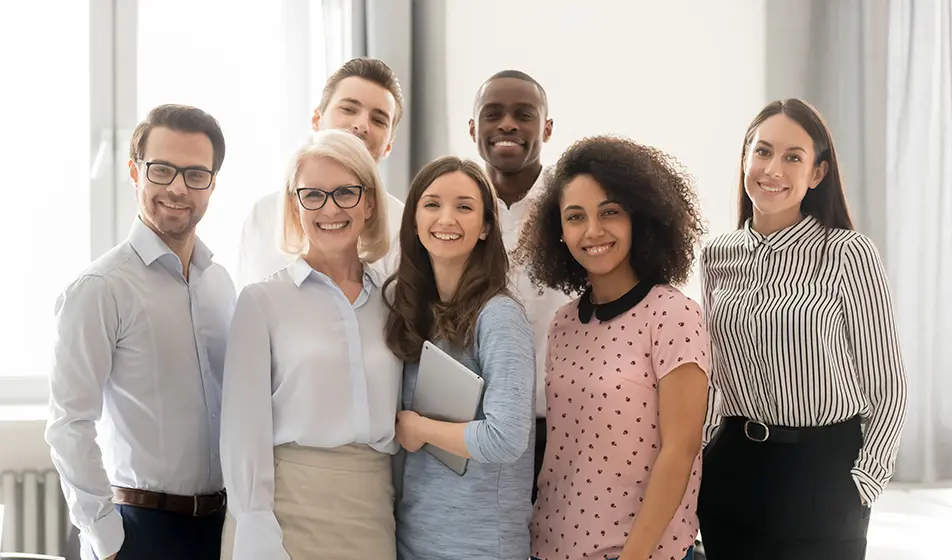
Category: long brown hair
[826,202]
[416,312]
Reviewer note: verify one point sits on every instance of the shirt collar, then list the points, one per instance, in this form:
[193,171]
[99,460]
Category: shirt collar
[609,310]
[779,240]
[301,271]
[150,247]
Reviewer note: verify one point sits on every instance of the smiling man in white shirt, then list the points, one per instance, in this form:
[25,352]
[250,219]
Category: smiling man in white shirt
[362,97]
[509,126]
[138,361]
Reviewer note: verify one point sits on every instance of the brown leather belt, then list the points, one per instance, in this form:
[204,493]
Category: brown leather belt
[196,506]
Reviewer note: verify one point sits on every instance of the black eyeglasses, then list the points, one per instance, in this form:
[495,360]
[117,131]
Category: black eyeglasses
[196,178]
[345,196]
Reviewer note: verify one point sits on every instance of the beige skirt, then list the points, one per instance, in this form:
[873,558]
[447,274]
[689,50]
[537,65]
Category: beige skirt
[334,504]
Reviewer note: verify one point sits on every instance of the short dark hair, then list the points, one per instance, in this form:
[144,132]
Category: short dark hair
[826,202]
[371,69]
[519,75]
[181,118]
[653,189]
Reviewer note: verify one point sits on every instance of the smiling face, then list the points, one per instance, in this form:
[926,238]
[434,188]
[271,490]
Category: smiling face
[364,109]
[510,124]
[596,229]
[779,170]
[449,218]
[331,231]
[172,211]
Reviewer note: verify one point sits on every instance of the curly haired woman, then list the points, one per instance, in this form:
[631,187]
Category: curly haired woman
[627,362]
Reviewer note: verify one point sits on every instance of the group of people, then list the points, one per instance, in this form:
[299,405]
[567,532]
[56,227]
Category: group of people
[607,391]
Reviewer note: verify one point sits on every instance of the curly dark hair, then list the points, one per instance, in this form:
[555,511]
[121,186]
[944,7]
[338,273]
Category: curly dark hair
[651,186]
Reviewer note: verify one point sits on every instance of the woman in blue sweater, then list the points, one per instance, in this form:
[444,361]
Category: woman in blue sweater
[451,288]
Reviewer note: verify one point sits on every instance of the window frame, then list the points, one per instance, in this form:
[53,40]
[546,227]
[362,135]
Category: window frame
[112,109]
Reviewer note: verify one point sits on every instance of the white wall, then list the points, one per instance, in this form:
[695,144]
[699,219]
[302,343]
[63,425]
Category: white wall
[22,446]
[685,76]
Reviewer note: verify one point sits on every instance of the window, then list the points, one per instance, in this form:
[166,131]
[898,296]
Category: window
[252,67]
[45,234]
[94,70]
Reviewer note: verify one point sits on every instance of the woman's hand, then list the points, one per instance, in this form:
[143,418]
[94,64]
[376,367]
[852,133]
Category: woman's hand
[409,430]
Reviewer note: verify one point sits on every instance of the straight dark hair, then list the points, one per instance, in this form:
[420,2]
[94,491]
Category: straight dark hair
[826,202]
[416,311]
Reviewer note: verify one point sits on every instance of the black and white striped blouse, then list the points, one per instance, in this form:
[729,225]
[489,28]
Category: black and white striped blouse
[803,334]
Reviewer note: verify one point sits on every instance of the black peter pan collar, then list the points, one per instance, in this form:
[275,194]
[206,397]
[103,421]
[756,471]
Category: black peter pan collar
[609,310]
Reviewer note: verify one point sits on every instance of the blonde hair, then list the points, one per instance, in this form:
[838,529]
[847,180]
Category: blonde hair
[351,153]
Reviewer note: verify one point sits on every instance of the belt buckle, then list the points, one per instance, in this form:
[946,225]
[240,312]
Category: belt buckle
[747,425]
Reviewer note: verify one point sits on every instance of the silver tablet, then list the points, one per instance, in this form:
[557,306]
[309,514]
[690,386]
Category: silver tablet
[446,390]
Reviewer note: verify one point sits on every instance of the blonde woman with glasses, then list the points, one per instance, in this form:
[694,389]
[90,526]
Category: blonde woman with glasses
[310,387]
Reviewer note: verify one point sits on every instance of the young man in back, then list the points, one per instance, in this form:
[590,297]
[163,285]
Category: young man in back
[509,125]
[362,97]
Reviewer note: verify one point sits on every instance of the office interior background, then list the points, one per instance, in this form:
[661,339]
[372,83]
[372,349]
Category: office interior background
[686,76]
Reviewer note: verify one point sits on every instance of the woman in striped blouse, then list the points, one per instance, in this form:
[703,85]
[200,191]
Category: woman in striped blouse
[809,394]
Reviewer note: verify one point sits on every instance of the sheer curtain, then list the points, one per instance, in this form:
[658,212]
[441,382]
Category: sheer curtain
[879,72]
[919,226]
[258,69]
[408,35]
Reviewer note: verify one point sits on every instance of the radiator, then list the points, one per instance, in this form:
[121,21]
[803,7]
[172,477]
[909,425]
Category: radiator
[35,519]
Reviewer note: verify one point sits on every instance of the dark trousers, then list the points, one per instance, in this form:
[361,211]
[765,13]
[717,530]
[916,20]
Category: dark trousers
[782,501]
[161,535]
[539,455]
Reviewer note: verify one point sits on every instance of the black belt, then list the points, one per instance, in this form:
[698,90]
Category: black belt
[761,432]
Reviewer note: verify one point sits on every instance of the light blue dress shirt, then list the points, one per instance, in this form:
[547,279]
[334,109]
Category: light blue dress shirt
[304,366]
[138,362]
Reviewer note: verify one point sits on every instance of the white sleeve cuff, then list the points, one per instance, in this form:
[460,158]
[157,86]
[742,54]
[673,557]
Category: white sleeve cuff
[106,535]
[258,535]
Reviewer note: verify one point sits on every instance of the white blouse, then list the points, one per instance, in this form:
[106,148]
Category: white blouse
[303,366]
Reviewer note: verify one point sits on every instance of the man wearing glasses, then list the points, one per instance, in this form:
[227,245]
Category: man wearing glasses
[138,361]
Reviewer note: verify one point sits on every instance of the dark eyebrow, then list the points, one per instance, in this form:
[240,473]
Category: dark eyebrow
[600,204]
[185,168]
[519,105]
[791,149]
[353,101]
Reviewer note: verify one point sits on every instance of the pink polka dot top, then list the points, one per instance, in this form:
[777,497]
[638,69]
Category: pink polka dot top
[602,420]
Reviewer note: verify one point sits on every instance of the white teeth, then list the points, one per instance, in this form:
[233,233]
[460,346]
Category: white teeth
[334,226]
[771,189]
[506,143]
[598,249]
[172,206]
[447,236]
